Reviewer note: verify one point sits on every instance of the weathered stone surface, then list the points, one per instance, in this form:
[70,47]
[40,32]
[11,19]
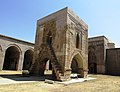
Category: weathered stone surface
[62,38]
[15,52]
[113,61]
[97,53]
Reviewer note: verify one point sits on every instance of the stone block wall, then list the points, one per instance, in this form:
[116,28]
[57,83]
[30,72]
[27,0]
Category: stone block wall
[13,44]
[113,61]
[68,36]
[97,53]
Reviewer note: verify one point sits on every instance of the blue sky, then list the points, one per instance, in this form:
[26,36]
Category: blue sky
[18,17]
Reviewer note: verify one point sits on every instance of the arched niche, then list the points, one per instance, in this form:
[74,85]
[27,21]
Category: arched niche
[11,60]
[28,57]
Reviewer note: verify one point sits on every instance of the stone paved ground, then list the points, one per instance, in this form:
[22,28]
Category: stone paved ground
[102,83]
[15,79]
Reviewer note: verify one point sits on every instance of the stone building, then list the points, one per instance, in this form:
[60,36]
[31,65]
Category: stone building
[97,53]
[15,54]
[63,46]
[61,38]
[113,61]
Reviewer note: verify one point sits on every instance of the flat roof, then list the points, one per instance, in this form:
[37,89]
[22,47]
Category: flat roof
[102,36]
[16,39]
[68,10]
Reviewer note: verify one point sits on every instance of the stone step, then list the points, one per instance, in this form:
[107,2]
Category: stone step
[49,81]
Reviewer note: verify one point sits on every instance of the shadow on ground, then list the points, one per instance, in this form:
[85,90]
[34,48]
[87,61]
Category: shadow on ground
[19,77]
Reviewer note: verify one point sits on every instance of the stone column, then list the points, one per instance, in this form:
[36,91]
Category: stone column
[20,63]
[67,74]
[2,56]
[82,73]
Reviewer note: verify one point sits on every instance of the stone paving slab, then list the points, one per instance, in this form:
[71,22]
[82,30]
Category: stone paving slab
[77,80]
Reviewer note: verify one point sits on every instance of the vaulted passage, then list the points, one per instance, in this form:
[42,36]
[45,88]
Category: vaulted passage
[28,57]
[11,60]
[77,66]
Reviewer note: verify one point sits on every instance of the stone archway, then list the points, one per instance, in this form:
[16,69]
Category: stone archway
[77,65]
[28,57]
[42,68]
[92,61]
[11,59]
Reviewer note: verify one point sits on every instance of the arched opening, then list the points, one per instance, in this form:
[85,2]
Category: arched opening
[46,69]
[48,65]
[74,66]
[77,66]
[11,60]
[28,57]
[49,38]
[77,41]
[92,64]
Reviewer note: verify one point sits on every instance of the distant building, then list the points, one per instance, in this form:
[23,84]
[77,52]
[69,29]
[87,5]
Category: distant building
[103,57]
[113,61]
[97,53]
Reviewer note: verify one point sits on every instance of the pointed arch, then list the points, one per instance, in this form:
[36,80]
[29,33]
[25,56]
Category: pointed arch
[92,60]
[76,63]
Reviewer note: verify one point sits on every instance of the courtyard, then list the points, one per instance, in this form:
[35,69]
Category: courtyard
[101,83]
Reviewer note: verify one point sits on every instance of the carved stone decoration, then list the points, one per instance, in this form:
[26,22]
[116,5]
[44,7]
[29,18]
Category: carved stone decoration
[56,38]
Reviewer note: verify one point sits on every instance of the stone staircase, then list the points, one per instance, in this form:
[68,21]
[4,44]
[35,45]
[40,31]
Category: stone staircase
[56,65]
